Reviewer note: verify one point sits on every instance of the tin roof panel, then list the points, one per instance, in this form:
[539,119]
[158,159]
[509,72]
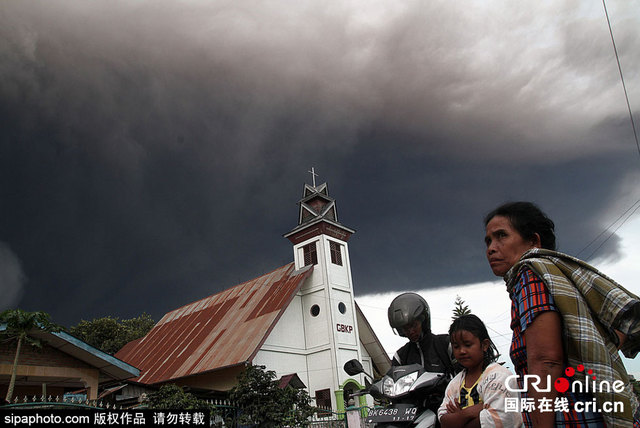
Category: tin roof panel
[218,331]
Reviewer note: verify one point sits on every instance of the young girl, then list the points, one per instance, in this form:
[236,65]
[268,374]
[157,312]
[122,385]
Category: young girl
[476,396]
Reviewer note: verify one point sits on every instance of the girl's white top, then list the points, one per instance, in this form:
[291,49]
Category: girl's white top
[492,389]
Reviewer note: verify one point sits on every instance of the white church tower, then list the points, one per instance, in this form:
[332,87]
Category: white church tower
[300,321]
[330,317]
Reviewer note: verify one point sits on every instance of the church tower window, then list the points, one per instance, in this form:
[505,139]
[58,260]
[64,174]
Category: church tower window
[310,254]
[342,308]
[336,253]
[315,310]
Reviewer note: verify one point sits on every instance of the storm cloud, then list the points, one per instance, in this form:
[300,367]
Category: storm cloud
[151,153]
[11,276]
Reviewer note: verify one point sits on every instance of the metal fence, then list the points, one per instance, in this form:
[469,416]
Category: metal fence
[224,412]
[323,418]
[42,401]
[326,418]
[329,419]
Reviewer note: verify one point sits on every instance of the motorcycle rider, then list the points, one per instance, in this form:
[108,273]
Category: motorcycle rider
[410,317]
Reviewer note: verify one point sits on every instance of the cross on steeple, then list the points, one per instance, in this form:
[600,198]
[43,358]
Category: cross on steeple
[313,175]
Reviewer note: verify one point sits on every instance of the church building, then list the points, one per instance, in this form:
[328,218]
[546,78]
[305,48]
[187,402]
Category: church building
[299,320]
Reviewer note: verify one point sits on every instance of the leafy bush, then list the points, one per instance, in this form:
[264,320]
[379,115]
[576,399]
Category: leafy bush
[263,403]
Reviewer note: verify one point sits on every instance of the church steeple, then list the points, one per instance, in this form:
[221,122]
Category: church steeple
[316,203]
[329,313]
[317,215]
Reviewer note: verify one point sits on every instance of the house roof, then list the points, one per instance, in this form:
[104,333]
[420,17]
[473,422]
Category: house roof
[222,330]
[381,360]
[110,367]
[292,380]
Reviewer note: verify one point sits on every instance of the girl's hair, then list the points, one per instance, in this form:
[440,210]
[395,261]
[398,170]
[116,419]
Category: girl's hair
[528,219]
[475,326]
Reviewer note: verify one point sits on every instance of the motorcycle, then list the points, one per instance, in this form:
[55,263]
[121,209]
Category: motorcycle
[407,389]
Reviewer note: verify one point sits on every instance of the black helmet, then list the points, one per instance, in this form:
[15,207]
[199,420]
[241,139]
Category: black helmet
[407,308]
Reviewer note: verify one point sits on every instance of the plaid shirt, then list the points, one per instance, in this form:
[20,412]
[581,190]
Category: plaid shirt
[529,298]
[592,307]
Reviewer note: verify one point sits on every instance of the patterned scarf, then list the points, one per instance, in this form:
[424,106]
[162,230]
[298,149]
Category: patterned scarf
[592,306]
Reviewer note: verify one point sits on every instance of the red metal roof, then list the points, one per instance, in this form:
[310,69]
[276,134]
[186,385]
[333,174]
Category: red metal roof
[222,330]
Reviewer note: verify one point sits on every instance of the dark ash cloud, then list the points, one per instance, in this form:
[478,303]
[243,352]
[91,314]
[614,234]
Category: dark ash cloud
[152,153]
[12,277]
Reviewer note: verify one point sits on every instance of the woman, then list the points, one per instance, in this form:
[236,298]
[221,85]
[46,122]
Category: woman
[567,318]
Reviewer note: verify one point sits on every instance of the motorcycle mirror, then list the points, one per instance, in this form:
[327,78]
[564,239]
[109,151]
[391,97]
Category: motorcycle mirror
[353,367]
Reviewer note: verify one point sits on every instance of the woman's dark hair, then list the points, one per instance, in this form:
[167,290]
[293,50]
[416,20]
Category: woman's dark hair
[475,326]
[527,219]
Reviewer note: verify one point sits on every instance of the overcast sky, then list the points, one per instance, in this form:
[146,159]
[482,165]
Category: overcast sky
[490,301]
[152,152]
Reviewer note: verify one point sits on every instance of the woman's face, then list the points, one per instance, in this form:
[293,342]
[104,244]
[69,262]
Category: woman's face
[505,245]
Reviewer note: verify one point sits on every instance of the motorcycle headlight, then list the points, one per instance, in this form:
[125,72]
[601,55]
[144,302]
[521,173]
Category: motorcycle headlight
[399,387]
[387,386]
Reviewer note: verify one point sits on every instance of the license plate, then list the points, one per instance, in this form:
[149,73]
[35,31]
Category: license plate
[399,412]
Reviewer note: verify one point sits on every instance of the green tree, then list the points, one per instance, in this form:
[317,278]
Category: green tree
[19,326]
[109,334]
[263,403]
[171,396]
[460,308]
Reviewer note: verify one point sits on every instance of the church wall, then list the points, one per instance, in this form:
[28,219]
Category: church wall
[283,363]
[345,355]
[321,373]
[284,350]
[316,329]
[288,332]
[343,323]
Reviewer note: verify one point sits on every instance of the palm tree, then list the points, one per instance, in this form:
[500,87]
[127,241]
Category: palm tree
[18,325]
